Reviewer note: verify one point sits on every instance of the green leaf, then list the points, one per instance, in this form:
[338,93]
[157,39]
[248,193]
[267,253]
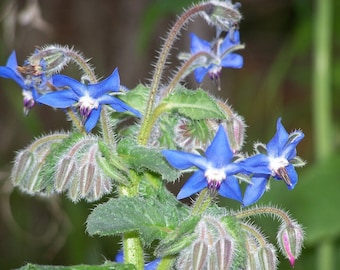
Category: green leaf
[137,97]
[196,105]
[179,239]
[142,157]
[152,219]
[105,266]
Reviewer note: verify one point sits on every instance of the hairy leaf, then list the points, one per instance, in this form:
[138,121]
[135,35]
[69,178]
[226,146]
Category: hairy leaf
[152,219]
[141,158]
[196,105]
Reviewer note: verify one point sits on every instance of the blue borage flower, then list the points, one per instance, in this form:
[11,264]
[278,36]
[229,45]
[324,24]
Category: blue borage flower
[32,84]
[220,51]
[88,97]
[216,170]
[278,160]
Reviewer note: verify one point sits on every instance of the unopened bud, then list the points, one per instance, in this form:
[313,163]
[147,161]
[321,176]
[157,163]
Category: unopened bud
[65,171]
[213,249]
[50,60]
[29,163]
[267,257]
[252,261]
[199,254]
[222,14]
[235,127]
[290,239]
[89,181]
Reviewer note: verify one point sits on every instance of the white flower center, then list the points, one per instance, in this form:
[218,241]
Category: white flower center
[86,105]
[278,167]
[214,177]
[277,163]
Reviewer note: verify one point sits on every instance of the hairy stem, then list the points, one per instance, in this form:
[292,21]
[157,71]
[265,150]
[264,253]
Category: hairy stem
[160,65]
[265,210]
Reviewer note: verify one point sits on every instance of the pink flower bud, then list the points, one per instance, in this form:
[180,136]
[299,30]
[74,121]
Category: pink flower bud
[290,239]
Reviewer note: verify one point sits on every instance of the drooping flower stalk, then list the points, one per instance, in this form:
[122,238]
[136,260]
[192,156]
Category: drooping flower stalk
[221,14]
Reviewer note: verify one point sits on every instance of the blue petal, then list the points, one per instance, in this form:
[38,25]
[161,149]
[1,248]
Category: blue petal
[200,73]
[110,84]
[60,99]
[92,119]
[8,73]
[182,160]
[62,81]
[12,61]
[199,45]
[152,265]
[290,150]
[120,106]
[120,257]
[195,183]
[279,141]
[258,164]
[230,188]
[232,60]
[230,41]
[219,152]
[255,190]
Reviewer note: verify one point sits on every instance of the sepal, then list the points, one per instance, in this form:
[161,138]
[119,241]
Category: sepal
[28,165]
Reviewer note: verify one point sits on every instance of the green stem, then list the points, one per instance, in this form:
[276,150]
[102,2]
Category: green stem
[321,80]
[132,245]
[133,250]
[202,202]
[166,263]
[174,32]
[184,71]
[76,121]
[322,107]
[326,255]
[261,240]
[264,210]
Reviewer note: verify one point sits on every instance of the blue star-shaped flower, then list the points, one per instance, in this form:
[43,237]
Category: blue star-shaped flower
[279,162]
[10,71]
[220,52]
[216,170]
[89,98]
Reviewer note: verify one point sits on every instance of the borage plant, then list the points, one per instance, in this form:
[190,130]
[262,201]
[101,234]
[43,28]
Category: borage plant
[171,130]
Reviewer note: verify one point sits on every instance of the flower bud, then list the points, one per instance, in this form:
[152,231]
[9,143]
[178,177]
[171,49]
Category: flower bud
[290,239]
[29,163]
[214,247]
[50,60]
[235,127]
[78,171]
[191,135]
[222,14]
[267,257]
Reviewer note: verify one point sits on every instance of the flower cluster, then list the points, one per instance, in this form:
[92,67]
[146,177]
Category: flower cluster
[218,172]
[60,91]
[175,130]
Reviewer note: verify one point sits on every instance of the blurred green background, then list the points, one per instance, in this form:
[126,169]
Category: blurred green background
[292,69]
